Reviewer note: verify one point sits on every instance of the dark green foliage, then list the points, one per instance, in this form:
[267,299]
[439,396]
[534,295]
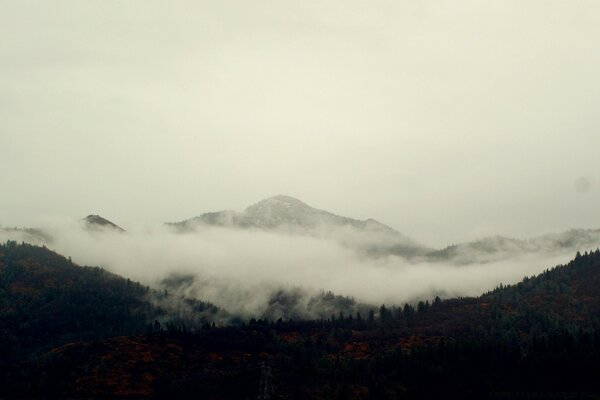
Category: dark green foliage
[46,300]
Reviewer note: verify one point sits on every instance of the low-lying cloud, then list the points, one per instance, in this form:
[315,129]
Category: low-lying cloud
[242,270]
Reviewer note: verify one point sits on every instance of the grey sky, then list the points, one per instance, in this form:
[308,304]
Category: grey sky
[447,120]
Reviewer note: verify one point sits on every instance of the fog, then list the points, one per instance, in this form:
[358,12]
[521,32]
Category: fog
[242,270]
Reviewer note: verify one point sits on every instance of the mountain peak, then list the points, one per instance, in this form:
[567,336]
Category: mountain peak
[290,215]
[280,209]
[95,221]
[286,199]
[278,201]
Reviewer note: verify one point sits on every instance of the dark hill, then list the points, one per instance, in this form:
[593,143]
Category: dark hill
[46,300]
[95,222]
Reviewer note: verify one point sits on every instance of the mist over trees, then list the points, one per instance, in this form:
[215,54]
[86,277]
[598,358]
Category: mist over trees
[279,256]
[510,339]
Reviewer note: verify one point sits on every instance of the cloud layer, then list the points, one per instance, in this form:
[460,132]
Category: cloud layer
[241,270]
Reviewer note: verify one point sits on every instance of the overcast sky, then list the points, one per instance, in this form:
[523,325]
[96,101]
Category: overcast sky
[447,120]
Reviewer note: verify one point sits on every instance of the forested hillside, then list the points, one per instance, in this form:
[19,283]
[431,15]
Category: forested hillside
[46,300]
[539,336]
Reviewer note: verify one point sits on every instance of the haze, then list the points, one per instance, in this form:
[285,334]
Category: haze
[241,270]
[445,120]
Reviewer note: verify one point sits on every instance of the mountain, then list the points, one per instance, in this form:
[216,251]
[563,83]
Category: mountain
[96,222]
[495,248]
[286,214]
[280,211]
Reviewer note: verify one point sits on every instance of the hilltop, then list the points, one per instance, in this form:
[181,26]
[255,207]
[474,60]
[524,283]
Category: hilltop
[95,222]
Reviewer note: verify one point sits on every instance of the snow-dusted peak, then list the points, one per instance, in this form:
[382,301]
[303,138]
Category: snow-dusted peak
[282,198]
[282,209]
[288,215]
[278,202]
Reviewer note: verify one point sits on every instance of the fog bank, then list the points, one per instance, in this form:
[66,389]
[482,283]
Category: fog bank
[242,270]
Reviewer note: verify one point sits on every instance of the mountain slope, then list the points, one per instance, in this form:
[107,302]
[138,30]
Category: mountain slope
[46,300]
[96,222]
[285,214]
[494,248]
[277,211]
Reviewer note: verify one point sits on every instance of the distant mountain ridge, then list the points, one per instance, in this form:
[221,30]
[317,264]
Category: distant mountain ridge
[287,214]
[276,211]
[496,247]
[283,212]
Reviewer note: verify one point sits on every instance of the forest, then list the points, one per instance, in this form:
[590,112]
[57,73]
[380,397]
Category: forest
[68,331]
